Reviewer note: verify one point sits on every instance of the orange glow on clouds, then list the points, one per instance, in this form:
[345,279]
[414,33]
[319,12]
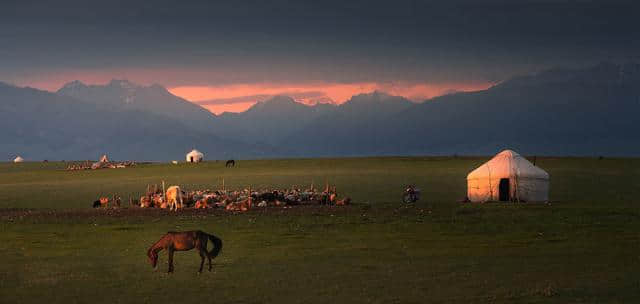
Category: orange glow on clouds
[338,92]
[229,107]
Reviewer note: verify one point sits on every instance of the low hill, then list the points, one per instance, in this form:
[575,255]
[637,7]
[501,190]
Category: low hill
[271,121]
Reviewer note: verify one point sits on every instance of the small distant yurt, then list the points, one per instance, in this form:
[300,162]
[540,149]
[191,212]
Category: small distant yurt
[104,159]
[194,156]
[508,177]
[18,159]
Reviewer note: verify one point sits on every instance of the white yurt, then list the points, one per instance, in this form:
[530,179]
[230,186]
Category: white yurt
[18,159]
[508,177]
[194,156]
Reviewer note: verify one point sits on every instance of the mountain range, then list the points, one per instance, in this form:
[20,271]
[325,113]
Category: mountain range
[43,125]
[557,112]
[589,111]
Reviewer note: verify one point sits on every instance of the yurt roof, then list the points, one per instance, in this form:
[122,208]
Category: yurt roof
[195,152]
[18,159]
[507,164]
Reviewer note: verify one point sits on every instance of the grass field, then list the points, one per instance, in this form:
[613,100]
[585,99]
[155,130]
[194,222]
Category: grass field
[584,247]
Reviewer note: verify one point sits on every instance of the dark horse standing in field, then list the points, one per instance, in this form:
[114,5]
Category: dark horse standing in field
[183,241]
[230,163]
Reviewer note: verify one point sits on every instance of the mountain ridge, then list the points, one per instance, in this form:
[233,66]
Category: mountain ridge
[575,112]
[43,125]
[123,95]
[588,111]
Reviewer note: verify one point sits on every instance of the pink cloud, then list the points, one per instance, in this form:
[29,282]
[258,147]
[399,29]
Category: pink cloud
[226,98]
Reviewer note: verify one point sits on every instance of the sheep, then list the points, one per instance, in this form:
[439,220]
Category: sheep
[344,201]
[104,201]
[240,206]
[145,202]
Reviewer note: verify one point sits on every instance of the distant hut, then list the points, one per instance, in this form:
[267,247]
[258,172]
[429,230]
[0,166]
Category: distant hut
[508,177]
[194,156]
[104,159]
[18,159]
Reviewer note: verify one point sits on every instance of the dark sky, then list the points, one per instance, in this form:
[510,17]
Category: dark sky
[209,43]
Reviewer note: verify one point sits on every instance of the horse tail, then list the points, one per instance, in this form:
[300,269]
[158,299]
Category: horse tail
[217,245]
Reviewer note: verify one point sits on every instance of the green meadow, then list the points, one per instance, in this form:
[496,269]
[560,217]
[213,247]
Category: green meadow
[582,247]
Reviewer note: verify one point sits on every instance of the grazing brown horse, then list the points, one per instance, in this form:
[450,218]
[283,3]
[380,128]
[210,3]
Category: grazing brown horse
[183,241]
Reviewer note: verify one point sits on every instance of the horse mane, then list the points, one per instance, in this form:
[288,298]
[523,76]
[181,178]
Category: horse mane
[156,245]
[151,253]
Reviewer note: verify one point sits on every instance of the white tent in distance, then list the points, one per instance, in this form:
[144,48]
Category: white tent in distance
[194,156]
[508,177]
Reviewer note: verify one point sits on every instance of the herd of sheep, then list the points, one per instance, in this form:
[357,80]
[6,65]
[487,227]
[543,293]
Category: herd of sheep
[175,198]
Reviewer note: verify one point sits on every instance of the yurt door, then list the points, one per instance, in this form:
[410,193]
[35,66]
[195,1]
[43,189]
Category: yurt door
[504,190]
[190,159]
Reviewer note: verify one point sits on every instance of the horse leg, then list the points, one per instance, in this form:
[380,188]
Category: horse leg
[202,254]
[170,253]
[204,248]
